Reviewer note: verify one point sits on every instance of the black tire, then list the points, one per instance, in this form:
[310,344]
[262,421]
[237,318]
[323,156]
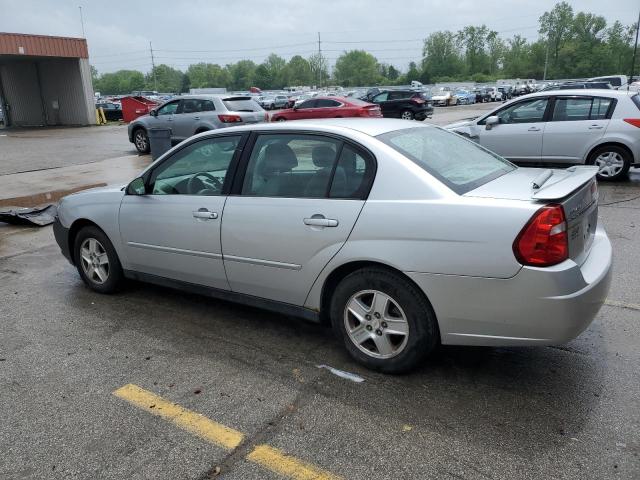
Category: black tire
[423,333]
[115,277]
[407,115]
[616,151]
[141,140]
[281,119]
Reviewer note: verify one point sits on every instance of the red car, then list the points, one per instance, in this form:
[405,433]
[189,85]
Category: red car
[328,107]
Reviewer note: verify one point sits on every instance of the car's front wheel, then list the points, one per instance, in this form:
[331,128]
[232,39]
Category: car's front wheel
[385,321]
[97,261]
[613,162]
[281,119]
[141,140]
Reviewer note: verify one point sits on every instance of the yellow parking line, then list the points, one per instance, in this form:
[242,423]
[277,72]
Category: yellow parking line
[278,462]
[221,435]
[186,419]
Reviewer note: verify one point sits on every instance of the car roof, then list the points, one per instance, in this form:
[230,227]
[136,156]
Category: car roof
[596,92]
[368,126]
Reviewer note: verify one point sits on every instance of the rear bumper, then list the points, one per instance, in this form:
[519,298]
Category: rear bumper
[61,235]
[538,306]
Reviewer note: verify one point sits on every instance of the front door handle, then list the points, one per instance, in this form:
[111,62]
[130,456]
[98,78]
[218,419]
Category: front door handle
[595,127]
[196,118]
[534,129]
[205,214]
[320,221]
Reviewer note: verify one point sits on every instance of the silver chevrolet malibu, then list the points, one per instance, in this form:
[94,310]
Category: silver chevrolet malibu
[401,235]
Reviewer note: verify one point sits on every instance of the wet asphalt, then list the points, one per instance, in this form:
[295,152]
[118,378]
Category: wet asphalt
[570,412]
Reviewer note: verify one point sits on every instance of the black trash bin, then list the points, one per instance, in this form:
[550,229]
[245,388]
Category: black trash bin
[160,141]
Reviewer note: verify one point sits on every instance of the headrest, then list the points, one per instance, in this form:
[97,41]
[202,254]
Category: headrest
[278,157]
[323,156]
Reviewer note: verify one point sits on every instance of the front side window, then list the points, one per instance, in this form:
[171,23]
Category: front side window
[524,112]
[291,165]
[326,103]
[460,164]
[381,97]
[168,109]
[198,169]
[307,104]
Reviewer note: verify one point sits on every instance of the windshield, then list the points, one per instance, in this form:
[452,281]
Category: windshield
[241,104]
[460,164]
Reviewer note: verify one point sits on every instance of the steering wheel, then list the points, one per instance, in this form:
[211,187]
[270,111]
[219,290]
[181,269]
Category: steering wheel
[195,185]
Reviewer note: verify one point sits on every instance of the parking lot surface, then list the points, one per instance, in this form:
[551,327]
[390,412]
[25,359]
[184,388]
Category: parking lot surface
[234,392]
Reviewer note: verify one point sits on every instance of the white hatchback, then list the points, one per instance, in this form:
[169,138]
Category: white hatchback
[593,127]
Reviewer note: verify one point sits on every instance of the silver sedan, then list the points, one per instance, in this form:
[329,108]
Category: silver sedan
[400,235]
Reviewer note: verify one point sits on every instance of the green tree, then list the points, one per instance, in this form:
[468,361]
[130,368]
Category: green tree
[441,55]
[119,83]
[319,69]
[357,68]
[242,74]
[207,75]
[164,78]
[495,52]
[297,72]
[473,40]
[556,26]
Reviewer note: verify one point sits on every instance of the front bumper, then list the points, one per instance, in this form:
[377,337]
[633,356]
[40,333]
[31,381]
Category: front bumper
[61,235]
[538,306]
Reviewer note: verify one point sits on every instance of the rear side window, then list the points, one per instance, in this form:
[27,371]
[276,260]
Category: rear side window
[241,104]
[636,99]
[353,175]
[576,109]
[325,103]
[458,163]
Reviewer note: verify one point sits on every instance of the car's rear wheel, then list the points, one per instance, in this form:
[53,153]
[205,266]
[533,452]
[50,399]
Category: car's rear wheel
[97,261]
[613,162]
[141,140]
[407,115]
[385,321]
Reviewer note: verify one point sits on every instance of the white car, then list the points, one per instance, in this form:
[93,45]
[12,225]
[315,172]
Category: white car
[443,98]
[593,127]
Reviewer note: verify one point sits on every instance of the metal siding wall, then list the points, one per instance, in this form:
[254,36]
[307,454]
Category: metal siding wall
[62,82]
[20,84]
[42,45]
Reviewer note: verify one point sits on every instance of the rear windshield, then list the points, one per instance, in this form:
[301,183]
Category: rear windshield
[458,163]
[357,102]
[241,104]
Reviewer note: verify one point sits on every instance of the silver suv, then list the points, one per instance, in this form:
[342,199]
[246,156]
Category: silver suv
[193,114]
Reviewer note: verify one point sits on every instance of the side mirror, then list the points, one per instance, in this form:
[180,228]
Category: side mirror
[137,187]
[491,121]
[153,113]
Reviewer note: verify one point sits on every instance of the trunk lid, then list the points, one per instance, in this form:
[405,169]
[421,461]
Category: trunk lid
[574,188]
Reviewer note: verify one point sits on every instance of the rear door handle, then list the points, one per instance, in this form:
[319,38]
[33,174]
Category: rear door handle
[595,127]
[321,222]
[205,214]
[534,129]
[196,118]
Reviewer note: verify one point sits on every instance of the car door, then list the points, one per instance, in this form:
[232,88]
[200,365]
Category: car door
[293,210]
[165,116]
[382,99]
[575,126]
[173,230]
[307,109]
[187,115]
[518,135]
[327,108]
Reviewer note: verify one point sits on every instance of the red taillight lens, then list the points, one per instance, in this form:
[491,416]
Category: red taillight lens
[633,121]
[230,118]
[418,100]
[543,241]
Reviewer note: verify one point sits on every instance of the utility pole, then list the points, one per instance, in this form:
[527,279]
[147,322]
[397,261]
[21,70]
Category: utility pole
[635,50]
[319,61]
[546,61]
[153,68]
[82,22]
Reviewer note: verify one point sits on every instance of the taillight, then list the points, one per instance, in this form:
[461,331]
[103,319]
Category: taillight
[543,241]
[230,118]
[633,121]
[417,100]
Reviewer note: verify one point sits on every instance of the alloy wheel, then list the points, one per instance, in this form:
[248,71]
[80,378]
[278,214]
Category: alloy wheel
[406,115]
[141,140]
[376,324]
[94,261]
[609,164]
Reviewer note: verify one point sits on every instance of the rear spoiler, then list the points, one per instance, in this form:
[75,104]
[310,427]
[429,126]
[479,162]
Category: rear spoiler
[561,183]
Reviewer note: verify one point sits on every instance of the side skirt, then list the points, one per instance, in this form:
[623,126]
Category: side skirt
[250,300]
